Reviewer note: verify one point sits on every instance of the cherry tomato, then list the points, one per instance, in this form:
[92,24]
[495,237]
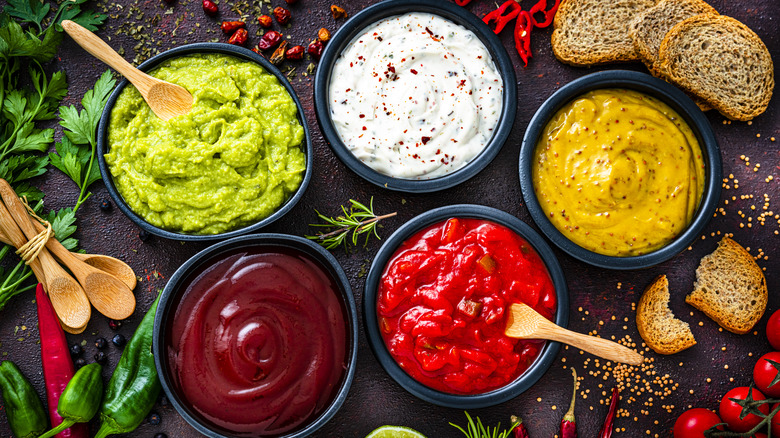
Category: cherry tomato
[773,330]
[775,421]
[764,373]
[693,422]
[730,411]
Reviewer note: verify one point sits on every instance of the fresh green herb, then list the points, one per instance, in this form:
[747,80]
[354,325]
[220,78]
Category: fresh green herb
[360,219]
[75,154]
[477,430]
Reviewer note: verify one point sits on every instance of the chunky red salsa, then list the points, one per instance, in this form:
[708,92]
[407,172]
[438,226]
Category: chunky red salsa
[258,343]
[443,302]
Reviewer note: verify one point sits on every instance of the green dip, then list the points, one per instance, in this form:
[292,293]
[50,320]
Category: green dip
[231,161]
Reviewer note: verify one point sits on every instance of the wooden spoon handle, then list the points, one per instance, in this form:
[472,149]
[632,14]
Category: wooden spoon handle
[12,235]
[597,346]
[102,51]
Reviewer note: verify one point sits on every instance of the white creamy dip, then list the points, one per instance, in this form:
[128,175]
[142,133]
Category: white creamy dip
[415,96]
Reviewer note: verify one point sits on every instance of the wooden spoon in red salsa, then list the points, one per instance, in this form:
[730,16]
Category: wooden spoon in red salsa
[444,299]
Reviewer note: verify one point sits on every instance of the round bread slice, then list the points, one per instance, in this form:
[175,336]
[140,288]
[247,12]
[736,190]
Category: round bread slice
[649,28]
[730,288]
[657,325]
[722,61]
[588,32]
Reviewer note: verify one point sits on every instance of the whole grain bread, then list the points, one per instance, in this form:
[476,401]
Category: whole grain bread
[588,32]
[730,288]
[722,61]
[657,325]
[650,27]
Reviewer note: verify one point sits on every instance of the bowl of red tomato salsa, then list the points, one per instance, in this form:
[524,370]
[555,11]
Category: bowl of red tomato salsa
[437,299]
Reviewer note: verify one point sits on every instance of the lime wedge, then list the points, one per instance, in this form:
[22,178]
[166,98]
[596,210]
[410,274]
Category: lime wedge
[394,432]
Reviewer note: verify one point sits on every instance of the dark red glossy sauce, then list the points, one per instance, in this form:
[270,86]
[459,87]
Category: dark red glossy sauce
[443,303]
[258,343]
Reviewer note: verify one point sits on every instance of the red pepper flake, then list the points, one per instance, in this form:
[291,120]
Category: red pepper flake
[364,128]
[414,72]
[362,116]
[425,140]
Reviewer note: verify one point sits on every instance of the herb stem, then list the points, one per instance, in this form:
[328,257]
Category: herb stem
[359,225]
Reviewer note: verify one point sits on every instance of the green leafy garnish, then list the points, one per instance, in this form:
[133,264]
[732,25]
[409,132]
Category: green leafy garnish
[477,430]
[360,219]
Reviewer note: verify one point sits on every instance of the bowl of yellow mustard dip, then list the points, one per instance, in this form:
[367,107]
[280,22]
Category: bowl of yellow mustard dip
[620,170]
[239,160]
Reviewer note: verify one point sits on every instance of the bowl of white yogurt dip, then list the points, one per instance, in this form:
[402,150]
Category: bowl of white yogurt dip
[415,95]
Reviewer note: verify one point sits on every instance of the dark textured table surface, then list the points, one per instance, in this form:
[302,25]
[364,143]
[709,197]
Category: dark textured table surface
[601,300]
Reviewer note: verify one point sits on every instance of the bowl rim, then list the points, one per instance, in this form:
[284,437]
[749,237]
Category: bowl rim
[537,369]
[295,243]
[660,90]
[184,50]
[451,12]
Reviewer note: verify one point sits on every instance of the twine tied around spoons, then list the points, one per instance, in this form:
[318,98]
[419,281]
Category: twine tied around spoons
[30,250]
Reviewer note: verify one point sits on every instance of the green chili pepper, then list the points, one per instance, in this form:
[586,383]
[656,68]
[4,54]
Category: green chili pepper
[22,406]
[80,400]
[134,386]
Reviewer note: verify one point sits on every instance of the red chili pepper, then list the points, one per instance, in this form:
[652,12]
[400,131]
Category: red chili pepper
[519,431]
[270,39]
[522,35]
[295,53]
[549,14]
[500,17]
[239,37]
[569,424]
[606,429]
[231,26]
[57,364]
[463,2]
[315,48]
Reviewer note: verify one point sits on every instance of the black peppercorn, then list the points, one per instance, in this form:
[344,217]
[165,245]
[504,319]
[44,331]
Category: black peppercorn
[80,362]
[143,235]
[119,341]
[154,419]
[106,205]
[100,357]
[101,343]
[76,350]
[160,435]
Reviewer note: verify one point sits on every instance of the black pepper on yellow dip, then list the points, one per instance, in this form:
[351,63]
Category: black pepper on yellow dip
[618,172]
[231,161]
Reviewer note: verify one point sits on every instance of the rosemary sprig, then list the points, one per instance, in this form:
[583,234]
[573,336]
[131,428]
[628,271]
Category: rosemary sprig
[477,430]
[360,219]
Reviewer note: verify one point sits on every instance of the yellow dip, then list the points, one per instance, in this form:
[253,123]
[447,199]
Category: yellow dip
[618,172]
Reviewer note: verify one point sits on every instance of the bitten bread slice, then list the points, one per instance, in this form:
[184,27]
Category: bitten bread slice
[657,325]
[588,32]
[649,28]
[722,61]
[730,288]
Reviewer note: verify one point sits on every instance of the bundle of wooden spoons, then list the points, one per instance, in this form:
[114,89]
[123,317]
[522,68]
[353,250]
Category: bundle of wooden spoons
[103,281]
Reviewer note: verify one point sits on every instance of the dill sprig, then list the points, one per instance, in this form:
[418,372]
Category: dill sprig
[477,430]
[360,219]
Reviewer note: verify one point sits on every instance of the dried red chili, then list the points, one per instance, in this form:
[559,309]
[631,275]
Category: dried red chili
[503,15]
[315,48]
[549,14]
[606,428]
[270,39]
[464,2]
[295,53]
[282,15]
[232,26]
[291,2]
[522,36]
[339,12]
[210,8]
[239,37]
[278,55]
[265,21]
[323,34]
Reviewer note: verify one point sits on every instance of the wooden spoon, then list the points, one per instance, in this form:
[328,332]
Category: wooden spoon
[110,296]
[166,100]
[108,264]
[67,296]
[525,323]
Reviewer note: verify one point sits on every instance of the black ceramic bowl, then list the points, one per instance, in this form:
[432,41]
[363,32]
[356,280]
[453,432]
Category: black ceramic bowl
[662,91]
[191,49]
[505,393]
[353,27]
[192,268]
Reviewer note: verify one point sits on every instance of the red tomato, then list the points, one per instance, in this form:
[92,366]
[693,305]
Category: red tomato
[764,373]
[693,422]
[775,421]
[773,330]
[730,411]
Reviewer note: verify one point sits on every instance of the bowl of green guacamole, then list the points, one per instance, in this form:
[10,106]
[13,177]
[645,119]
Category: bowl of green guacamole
[239,160]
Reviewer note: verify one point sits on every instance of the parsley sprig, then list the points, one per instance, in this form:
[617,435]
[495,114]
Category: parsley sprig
[359,219]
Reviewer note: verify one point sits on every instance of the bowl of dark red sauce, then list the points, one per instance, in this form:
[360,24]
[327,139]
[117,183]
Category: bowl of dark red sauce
[437,299]
[256,336]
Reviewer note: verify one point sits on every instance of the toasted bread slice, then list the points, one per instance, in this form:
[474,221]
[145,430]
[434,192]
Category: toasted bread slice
[588,32]
[722,61]
[649,28]
[657,325]
[730,288]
